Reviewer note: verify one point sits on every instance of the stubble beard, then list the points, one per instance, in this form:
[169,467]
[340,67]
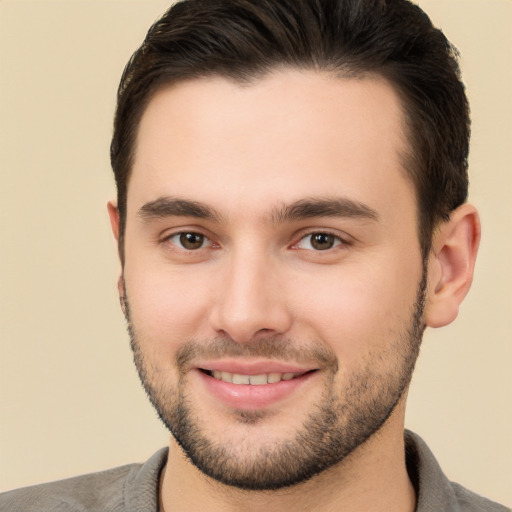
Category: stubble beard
[339,423]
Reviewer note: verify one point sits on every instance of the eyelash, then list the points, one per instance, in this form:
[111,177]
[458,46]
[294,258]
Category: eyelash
[338,241]
[168,239]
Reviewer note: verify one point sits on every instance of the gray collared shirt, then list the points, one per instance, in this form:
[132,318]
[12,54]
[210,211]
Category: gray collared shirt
[134,488]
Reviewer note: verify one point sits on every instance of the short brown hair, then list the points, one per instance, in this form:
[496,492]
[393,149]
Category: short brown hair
[245,39]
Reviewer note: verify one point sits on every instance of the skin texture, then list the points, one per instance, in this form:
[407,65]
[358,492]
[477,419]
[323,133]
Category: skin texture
[254,291]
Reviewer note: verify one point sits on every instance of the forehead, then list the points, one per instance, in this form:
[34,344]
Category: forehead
[287,135]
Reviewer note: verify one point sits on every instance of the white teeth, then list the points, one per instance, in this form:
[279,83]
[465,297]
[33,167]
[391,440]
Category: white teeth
[258,380]
[240,379]
[226,377]
[255,380]
[273,377]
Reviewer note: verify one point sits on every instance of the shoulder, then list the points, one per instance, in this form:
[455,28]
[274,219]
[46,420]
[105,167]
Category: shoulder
[112,490]
[435,492]
[94,491]
[472,502]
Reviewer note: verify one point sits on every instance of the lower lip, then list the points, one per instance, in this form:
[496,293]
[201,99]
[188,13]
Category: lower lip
[251,397]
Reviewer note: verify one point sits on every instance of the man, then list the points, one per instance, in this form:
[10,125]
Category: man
[291,215]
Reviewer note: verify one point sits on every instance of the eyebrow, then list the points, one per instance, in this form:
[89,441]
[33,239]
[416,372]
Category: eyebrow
[324,207]
[175,207]
[306,208]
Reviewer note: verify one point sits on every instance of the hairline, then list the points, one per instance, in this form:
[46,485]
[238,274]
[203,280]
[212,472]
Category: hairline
[407,157]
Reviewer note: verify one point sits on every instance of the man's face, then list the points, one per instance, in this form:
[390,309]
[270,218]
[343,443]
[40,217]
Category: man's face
[273,275]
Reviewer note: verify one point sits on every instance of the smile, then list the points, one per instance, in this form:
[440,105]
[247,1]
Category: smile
[254,388]
[254,380]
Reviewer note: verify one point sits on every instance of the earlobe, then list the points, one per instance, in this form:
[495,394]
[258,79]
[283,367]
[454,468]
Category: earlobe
[113,214]
[451,265]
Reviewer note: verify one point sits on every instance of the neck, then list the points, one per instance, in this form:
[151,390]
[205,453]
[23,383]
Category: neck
[373,478]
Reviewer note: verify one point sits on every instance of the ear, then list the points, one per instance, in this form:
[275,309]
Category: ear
[113,214]
[451,265]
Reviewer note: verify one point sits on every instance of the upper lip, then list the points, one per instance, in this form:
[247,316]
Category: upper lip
[253,367]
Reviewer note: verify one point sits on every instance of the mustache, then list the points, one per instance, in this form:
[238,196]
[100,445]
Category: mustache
[272,348]
[314,354]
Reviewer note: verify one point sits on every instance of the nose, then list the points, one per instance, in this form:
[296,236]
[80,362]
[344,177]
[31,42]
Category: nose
[251,301]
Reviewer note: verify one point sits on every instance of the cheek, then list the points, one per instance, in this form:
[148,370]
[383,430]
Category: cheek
[360,310]
[166,307]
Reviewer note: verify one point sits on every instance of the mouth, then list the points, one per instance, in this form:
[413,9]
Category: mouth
[254,380]
[257,387]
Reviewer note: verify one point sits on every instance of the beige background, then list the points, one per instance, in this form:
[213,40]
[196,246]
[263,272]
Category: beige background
[70,401]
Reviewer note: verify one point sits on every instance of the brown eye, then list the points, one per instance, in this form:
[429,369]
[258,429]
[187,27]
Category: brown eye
[322,241]
[319,241]
[191,241]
